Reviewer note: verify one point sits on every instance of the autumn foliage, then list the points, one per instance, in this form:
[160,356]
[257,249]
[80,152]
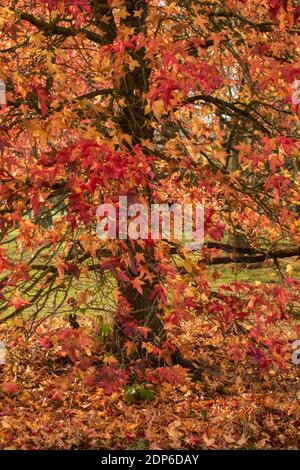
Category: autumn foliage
[175,101]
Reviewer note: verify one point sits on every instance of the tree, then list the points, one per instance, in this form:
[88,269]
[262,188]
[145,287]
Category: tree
[163,102]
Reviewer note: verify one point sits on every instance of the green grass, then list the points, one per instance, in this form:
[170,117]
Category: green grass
[267,272]
[101,287]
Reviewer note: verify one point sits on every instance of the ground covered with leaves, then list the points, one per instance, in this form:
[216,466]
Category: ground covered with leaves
[44,404]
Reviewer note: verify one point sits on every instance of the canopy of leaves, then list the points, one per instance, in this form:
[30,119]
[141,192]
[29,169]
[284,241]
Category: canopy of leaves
[162,101]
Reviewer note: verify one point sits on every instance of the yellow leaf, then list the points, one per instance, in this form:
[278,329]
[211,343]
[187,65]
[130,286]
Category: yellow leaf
[133,65]
[157,108]
[188,265]
[229,439]
[242,441]
[209,441]
[289,269]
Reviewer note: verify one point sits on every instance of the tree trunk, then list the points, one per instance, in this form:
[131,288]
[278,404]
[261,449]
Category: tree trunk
[133,121]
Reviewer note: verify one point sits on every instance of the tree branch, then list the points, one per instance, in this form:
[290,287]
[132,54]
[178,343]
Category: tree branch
[50,29]
[277,254]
